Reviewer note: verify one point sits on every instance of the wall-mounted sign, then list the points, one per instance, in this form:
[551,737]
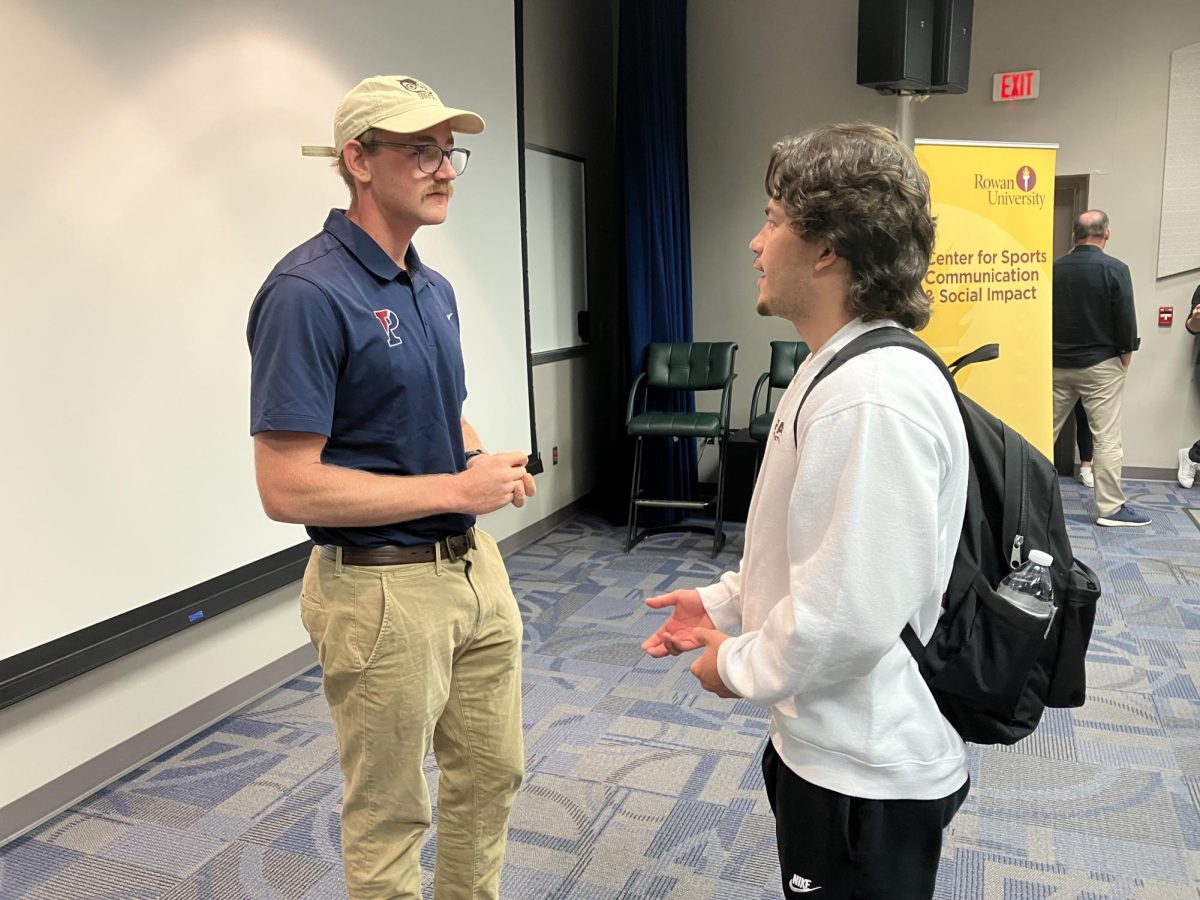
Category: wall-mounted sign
[1016,85]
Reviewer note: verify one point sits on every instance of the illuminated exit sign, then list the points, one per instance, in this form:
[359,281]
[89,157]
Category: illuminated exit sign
[1016,85]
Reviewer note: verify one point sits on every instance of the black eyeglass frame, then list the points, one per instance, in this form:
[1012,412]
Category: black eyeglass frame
[422,149]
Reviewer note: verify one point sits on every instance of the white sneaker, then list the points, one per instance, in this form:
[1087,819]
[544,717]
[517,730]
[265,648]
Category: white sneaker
[1085,476]
[1187,469]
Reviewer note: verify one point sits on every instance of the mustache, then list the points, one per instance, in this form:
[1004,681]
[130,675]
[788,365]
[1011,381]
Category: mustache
[447,189]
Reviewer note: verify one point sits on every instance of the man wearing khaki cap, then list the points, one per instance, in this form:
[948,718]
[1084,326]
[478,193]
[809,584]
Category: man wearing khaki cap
[357,389]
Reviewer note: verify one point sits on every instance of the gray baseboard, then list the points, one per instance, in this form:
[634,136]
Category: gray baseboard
[42,803]
[1147,474]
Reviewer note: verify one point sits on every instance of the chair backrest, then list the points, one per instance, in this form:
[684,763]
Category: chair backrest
[696,366]
[786,357]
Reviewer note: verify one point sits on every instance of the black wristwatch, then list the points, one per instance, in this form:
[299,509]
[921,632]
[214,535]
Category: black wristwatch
[471,454]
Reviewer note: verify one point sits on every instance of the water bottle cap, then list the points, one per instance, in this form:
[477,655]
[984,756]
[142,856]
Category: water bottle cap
[1040,557]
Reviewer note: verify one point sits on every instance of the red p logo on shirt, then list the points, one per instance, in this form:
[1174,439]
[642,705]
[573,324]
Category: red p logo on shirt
[390,323]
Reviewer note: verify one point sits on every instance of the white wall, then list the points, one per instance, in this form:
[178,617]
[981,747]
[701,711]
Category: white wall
[569,81]
[52,734]
[1105,78]
[563,420]
[757,71]
[60,730]
[760,70]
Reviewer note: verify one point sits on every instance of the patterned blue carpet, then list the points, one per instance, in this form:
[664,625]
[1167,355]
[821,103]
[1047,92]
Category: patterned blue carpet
[641,786]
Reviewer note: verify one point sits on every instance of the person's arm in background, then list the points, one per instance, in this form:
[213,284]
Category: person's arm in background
[1193,320]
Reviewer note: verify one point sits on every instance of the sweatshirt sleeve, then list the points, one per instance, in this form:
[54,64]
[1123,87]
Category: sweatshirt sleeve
[723,601]
[865,570]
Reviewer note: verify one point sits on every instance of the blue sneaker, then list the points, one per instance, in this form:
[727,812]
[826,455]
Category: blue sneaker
[1125,516]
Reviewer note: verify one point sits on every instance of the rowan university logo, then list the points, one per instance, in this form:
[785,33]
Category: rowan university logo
[1026,178]
[390,322]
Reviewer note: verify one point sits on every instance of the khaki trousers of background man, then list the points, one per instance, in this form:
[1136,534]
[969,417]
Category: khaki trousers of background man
[414,656]
[1101,388]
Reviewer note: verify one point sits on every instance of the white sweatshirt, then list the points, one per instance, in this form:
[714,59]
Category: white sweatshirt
[850,535]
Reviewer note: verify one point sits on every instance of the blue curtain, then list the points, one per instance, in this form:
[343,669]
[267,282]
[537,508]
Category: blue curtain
[652,134]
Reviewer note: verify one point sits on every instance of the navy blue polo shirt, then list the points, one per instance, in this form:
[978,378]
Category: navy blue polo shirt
[346,344]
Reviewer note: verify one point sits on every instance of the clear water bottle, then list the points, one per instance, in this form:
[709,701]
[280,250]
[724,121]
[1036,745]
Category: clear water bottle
[1028,587]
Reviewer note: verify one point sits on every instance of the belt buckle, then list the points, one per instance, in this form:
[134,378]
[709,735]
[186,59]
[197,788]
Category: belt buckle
[452,555]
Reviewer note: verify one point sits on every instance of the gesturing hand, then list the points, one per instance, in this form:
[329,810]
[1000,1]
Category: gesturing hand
[705,668]
[675,636]
[491,480]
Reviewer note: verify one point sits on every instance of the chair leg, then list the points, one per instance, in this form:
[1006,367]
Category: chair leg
[718,534]
[633,492]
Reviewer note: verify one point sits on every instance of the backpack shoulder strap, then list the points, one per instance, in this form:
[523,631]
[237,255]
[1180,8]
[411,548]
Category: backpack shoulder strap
[914,645]
[892,336]
[888,336]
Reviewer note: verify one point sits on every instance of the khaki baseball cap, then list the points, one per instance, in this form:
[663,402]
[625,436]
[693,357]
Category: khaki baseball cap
[394,103]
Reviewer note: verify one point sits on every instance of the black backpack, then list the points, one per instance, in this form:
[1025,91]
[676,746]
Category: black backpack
[993,668]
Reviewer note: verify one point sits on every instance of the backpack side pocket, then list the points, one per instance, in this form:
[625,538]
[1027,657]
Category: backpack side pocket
[1077,614]
[984,689]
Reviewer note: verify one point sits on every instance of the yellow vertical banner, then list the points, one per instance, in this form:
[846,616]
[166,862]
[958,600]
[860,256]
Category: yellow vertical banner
[990,274]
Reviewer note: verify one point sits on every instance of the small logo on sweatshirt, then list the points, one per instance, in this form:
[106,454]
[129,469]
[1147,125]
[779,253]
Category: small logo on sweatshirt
[777,430]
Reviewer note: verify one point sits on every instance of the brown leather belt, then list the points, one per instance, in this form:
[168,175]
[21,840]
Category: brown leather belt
[448,548]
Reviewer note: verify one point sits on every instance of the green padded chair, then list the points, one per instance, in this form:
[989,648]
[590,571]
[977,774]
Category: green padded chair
[681,367]
[786,357]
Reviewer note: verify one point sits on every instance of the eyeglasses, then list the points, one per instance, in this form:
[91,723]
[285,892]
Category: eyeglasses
[431,156]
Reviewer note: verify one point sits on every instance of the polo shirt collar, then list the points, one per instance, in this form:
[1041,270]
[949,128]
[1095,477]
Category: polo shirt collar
[363,248]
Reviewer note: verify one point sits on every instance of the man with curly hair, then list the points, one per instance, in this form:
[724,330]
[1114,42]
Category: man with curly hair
[851,535]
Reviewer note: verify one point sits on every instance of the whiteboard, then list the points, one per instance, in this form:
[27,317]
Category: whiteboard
[1179,235]
[556,232]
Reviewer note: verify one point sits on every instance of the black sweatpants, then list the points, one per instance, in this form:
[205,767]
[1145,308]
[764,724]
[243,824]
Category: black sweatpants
[849,848]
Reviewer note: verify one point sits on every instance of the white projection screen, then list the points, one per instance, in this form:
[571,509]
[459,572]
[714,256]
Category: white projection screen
[152,177]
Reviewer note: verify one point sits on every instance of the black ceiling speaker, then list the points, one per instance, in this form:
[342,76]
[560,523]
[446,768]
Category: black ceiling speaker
[951,46]
[895,45]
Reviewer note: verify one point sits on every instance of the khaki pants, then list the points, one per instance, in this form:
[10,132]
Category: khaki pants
[418,656]
[1101,388]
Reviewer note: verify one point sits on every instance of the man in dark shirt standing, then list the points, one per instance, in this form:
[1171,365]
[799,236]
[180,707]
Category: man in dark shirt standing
[357,390]
[1095,334]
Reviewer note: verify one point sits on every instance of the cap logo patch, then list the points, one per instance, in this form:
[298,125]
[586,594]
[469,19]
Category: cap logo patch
[421,90]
